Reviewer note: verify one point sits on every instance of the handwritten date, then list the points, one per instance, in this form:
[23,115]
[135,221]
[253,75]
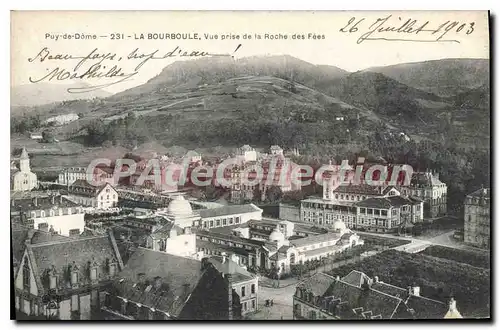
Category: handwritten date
[391,29]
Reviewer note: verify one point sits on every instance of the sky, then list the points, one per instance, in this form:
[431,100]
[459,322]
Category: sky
[33,31]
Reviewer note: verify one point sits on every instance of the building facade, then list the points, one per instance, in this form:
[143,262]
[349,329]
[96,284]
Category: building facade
[477,218]
[63,279]
[56,213]
[427,186]
[100,197]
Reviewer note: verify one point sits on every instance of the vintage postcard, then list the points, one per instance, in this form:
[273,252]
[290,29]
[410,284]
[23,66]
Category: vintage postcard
[171,165]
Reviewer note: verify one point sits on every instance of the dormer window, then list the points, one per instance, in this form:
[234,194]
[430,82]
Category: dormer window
[53,278]
[74,274]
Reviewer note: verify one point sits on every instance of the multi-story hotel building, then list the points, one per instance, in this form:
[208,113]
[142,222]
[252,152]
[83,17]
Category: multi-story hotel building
[477,218]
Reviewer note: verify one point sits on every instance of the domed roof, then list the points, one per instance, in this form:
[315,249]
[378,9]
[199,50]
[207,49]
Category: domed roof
[339,225]
[276,235]
[179,207]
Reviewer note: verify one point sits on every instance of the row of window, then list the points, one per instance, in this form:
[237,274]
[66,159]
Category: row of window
[53,213]
[221,222]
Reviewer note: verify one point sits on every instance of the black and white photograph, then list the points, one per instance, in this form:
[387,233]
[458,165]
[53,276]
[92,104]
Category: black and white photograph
[250,165]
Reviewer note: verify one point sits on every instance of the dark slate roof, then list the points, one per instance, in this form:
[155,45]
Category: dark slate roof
[42,203]
[229,237]
[228,210]
[221,248]
[164,231]
[386,202]
[318,284]
[179,277]
[239,274]
[84,188]
[483,192]
[378,300]
[312,239]
[79,252]
[361,189]
[355,278]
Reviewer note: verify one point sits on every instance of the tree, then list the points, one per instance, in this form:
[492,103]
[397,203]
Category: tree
[47,137]
[274,194]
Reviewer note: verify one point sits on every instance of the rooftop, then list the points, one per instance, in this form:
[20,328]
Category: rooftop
[167,283]
[41,203]
[315,239]
[228,210]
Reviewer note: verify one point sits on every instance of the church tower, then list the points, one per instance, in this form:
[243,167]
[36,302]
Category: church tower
[24,161]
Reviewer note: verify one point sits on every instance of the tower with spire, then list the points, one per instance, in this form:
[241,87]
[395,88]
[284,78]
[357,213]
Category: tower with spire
[22,179]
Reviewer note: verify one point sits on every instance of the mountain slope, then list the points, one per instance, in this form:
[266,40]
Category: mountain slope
[186,74]
[382,95]
[444,77]
[45,93]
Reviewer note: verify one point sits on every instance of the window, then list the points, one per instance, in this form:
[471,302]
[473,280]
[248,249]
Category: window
[362,210]
[224,222]
[252,289]
[217,223]
[242,291]
[231,221]
[237,219]
[370,211]
[245,306]
[376,212]
[211,223]
[253,303]
[107,197]
[384,212]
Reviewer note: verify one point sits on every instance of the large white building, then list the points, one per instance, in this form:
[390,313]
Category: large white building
[100,197]
[363,207]
[22,179]
[52,213]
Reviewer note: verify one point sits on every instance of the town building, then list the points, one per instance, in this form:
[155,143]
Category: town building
[386,212]
[477,218]
[246,154]
[21,177]
[36,136]
[273,244]
[358,297]
[69,175]
[244,283]
[229,215]
[62,279]
[61,119]
[160,286]
[55,212]
[427,186]
[102,196]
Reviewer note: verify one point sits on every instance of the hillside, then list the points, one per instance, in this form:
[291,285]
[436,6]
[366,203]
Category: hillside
[271,100]
[45,93]
[444,77]
[188,74]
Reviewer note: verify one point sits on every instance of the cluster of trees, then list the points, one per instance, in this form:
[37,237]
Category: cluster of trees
[25,123]
[472,258]
[128,131]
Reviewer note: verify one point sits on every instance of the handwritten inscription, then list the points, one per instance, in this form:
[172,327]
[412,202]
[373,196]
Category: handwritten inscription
[100,65]
[392,28]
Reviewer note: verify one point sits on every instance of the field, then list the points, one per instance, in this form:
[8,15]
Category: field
[438,278]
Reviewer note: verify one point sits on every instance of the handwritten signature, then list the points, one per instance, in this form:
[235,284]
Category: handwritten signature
[385,28]
[98,65]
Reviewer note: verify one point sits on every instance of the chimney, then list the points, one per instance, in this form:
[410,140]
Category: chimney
[35,201]
[229,279]
[224,257]
[375,279]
